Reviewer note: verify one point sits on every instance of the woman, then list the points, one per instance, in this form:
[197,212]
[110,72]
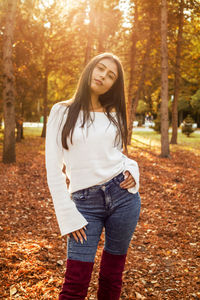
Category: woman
[87,134]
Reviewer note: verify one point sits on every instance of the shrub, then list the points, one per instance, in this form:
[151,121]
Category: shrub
[186,127]
[157,126]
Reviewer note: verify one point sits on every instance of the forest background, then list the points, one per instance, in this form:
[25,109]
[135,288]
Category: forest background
[53,40]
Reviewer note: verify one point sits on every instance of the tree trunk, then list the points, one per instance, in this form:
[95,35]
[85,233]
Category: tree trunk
[45,102]
[180,117]
[22,116]
[132,76]
[9,155]
[19,126]
[177,76]
[164,83]
[140,84]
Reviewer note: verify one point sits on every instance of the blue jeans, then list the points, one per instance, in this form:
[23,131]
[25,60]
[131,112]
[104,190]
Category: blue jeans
[105,206]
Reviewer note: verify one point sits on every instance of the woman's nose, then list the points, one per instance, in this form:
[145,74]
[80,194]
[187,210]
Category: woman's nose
[103,74]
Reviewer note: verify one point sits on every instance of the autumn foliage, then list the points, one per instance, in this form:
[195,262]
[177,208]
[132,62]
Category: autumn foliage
[163,258]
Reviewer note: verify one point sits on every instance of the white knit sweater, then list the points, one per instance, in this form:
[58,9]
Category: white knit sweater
[92,159]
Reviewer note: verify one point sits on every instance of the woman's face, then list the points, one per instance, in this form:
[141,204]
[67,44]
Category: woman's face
[104,76]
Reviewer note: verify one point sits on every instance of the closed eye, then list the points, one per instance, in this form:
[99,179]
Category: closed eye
[100,68]
[111,77]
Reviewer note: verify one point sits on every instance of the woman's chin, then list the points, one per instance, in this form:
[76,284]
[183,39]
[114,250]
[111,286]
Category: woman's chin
[96,91]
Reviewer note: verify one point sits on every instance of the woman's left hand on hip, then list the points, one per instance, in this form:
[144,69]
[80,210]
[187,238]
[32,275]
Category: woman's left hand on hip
[129,182]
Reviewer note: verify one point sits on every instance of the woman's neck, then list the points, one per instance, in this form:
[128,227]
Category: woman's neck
[95,104]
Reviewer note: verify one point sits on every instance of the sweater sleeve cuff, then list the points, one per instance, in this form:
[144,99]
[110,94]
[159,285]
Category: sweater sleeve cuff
[132,166]
[68,216]
[134,189]
[76,222]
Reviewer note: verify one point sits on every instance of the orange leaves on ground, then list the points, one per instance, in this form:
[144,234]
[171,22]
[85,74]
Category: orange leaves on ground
[163,258]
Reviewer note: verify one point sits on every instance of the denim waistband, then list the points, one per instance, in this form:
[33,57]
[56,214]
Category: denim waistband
[117,179]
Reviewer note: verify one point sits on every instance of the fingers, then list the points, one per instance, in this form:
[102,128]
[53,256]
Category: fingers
[83,234]
[79,235]
[129,182]
[75,235]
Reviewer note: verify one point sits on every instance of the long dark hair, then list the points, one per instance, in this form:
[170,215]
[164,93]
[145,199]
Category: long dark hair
[113,98]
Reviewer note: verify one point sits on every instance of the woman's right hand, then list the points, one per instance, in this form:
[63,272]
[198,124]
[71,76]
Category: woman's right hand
[78,235]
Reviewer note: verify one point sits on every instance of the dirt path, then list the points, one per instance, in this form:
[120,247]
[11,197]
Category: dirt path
[163,259]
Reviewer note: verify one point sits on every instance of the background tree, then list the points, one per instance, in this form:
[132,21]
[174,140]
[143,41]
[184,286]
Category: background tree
[195,103]
[177,73]
[9,155]
[134,38]
[164,84]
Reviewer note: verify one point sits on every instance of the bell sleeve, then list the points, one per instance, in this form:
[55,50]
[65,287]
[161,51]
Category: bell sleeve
[68,217]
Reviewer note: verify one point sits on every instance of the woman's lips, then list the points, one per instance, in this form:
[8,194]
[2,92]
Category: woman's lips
[99,82]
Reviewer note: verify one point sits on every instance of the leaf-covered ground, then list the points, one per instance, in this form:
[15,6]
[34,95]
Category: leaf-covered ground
[163,259]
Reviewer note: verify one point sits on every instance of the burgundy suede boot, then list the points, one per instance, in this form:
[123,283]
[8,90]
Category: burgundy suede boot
[77,279]
[110,276]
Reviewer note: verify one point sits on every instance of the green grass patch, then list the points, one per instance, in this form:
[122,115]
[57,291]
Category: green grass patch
[28,131]
[32,131]
[152,139]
